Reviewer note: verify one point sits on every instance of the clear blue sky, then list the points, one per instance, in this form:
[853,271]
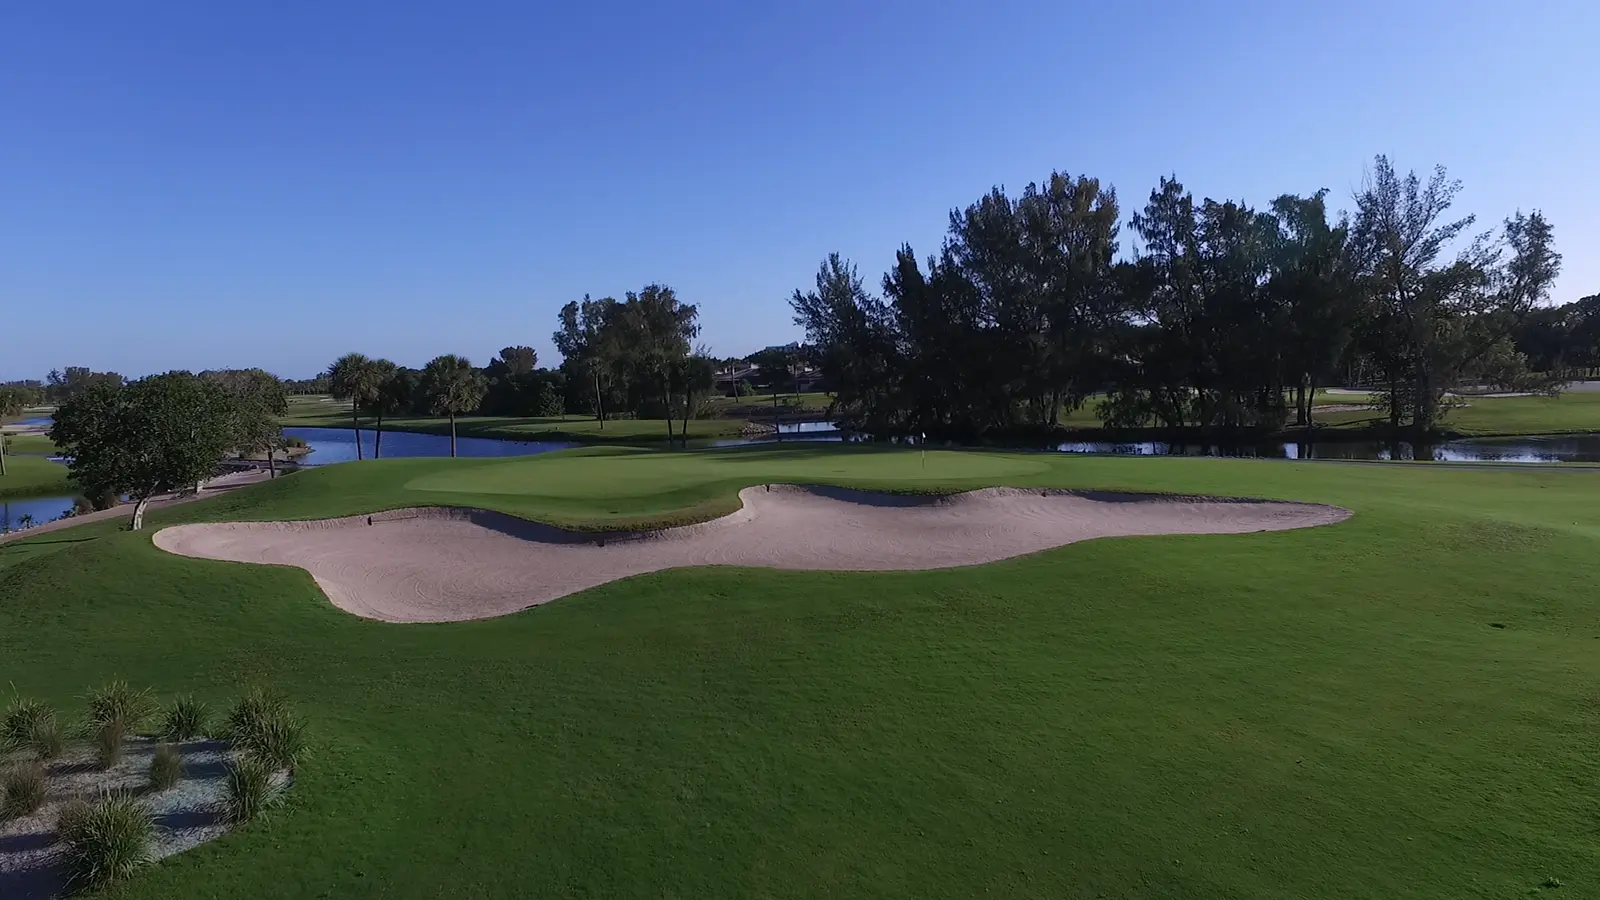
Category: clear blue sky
[189,185]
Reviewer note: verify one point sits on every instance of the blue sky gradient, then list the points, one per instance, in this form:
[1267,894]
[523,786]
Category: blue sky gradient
[193,185]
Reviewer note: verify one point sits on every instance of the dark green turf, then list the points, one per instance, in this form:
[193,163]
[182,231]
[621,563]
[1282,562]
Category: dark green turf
[1320,713]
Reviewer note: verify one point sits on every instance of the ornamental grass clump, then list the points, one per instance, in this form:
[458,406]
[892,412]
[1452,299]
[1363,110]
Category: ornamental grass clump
[166,766]
[109,738]
[250,788]
[108,842]
[46,739]
[251,712]
[70,819]
[184,720]
[22,789]
[23,719]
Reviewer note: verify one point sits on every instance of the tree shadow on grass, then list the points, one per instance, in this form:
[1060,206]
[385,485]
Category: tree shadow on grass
[24,542]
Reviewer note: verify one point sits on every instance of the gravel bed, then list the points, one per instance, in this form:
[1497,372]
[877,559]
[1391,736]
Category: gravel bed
[186,815]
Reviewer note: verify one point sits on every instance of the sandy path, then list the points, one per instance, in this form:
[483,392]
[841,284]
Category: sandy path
[440,564]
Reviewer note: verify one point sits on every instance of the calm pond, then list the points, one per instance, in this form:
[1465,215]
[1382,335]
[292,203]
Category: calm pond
[337,445]
[18,514]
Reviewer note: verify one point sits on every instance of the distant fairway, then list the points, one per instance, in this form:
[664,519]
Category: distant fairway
[33,476]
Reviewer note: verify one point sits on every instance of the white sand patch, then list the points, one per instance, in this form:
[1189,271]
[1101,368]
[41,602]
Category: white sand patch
[444,564]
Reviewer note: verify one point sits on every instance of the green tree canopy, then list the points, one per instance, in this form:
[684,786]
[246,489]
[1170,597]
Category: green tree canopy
[355,378]
[452,387]
[259,399]
[155,435]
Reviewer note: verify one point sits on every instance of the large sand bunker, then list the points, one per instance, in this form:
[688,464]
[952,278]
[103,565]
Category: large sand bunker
[443,564]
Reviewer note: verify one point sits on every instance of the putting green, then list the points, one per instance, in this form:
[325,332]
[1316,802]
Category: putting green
[643,473]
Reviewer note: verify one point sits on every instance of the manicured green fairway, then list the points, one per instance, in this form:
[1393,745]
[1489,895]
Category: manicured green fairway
[1575,411]
[1334,712]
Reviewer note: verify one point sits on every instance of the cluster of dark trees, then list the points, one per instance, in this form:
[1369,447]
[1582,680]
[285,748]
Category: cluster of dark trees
[447,385]
[166,432]
[635,355]
[1222,317]
[60,386]
[1564,339]
[317,384]
[620,357]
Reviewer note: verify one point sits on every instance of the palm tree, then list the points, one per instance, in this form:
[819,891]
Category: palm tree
[352,377]
[453,386]
[381,373]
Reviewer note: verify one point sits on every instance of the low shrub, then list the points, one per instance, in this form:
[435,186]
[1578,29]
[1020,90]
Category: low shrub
[251,711]
[108,843]
[250,788]
[166,766]
[31,725]
[22,787]
[184,720]
[46,740]
[108,740]
[119,702]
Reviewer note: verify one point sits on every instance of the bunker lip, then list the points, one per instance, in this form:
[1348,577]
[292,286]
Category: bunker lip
[442,564]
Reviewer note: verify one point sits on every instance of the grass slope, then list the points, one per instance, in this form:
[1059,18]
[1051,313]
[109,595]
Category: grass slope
[1319,713]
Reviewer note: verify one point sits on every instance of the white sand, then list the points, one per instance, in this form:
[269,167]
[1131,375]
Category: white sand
[443,564]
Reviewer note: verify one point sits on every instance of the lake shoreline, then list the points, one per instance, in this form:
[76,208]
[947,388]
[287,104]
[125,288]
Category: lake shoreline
[1318,434]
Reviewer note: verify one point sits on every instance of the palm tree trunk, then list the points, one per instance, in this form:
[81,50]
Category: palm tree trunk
[355,425]
[377,441]
[452,434]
